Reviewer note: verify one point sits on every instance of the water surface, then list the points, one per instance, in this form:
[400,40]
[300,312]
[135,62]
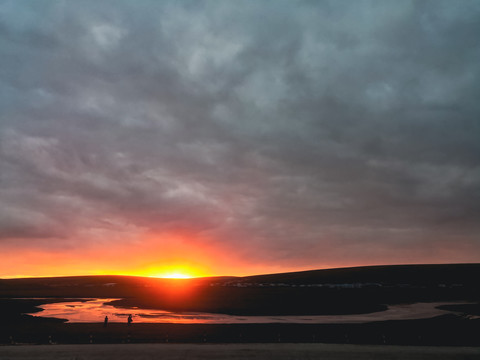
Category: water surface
[95,310]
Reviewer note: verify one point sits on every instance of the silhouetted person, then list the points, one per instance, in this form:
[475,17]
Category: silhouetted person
[129,319]
[105,322]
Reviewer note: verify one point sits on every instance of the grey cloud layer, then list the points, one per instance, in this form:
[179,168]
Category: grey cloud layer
[295,131]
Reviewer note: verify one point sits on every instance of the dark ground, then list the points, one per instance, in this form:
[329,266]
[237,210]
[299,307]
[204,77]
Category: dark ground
[448,330]
[236,352]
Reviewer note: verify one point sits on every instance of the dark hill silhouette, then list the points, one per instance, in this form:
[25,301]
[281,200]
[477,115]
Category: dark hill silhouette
[382,274]
[450,275]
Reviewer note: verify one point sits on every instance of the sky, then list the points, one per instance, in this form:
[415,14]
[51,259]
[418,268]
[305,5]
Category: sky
[237,137]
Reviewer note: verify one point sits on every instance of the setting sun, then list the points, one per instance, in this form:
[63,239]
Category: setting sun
[174,270]
[174,275]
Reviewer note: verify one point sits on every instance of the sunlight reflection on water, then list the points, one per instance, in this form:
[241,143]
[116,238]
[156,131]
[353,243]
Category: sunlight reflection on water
[95,310]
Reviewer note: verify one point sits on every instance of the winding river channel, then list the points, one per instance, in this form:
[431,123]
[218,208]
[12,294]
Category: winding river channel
[94,310]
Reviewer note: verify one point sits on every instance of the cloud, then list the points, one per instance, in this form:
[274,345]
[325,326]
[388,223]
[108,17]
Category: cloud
[290,133]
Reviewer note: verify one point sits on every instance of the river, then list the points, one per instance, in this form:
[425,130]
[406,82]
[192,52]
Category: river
[95,309]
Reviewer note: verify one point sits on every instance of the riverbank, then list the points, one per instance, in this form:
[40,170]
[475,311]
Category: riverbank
[236,352]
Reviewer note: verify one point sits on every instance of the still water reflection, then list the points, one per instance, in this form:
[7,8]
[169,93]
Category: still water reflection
[95,310]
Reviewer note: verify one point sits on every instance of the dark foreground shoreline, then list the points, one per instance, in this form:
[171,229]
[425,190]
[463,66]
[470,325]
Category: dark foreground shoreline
[236,352]
[446,330]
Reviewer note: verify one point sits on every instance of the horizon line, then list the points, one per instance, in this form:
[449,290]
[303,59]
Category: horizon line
[233,276]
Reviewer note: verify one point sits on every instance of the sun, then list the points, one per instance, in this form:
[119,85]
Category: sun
[175,275]
[173,271]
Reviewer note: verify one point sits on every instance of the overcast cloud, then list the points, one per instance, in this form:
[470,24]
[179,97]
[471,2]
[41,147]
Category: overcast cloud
[301,133]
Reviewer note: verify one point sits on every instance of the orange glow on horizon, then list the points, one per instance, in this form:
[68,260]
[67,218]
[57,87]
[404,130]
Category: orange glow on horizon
[174,255]
[162,255]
